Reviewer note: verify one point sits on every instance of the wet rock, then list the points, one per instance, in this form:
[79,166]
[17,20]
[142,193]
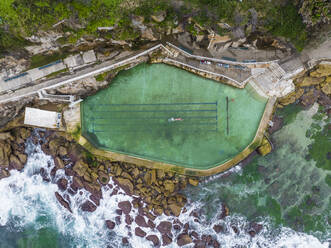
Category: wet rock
[164,227]
[177,227]
[69,172]
[218,228]
[22,157]
[62,183]
[119,211]
[254,229]
[215,244]
[125,184]
[265,147]
[44,175]
[186,227]
[128,219]
[77,183]
[15,163]
[225,211]
[125,241]
[183,239]
[103,177]
[95,199]
[166,240]
[62,151]
[110,224]
[125,206]
[151,224]
[175,209]
[63,202]
[193,181]
[88,206]
[199,244]
[140,220]
[80,168]
[194,235]
[235,229]
[58,163]
[154,239]
[139,232]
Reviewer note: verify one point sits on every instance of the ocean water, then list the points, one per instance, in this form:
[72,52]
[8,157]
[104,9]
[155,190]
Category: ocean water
[285,191]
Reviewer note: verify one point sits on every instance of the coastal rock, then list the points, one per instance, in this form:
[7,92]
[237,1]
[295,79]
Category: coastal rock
[125,206]
[58,163]
[16,163]
[154,239]
[218,228]
[125,184]
[321,71]
[254,229]
[110,224]
[80,168]
[175,209]
[5,151]
[140,220]
[193,181]
[128,219]
[166,240]
[103,177]
[125,241]
[6,136]
[62,183]
[292,97]
[22,157]
[225,211]
[265,147]
[139,232]
[326,88]
[183,239]
[76,183]
[62,151]
[63,202]
[164,227]
[309,81]
[88,206]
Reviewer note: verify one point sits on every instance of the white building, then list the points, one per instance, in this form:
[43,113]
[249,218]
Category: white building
[42,118]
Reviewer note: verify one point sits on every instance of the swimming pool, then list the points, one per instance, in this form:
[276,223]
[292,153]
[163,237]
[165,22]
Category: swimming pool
[163,113]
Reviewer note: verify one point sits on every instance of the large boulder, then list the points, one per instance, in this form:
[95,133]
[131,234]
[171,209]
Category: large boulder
[63,202]
[309,81]
[140,220]
[154,239]
[125,184]
[103,177]
[139,232]
[110,224]
[166,240]
[321,70]
[326,88]
[5,151]
[88,206]
[164,227]
[16,163]
[265,147]
[125,206]
[80,168]
[175,209]
[58,163]
[183,239]
[62,183]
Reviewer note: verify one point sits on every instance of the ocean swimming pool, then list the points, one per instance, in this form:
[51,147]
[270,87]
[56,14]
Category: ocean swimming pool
[163,113]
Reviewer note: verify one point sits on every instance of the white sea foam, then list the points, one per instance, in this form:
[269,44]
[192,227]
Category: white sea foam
[25,196]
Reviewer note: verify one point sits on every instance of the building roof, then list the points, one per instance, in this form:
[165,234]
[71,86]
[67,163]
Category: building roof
[42,118]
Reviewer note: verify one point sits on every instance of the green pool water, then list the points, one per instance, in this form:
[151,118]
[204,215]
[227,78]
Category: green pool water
[134,116]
